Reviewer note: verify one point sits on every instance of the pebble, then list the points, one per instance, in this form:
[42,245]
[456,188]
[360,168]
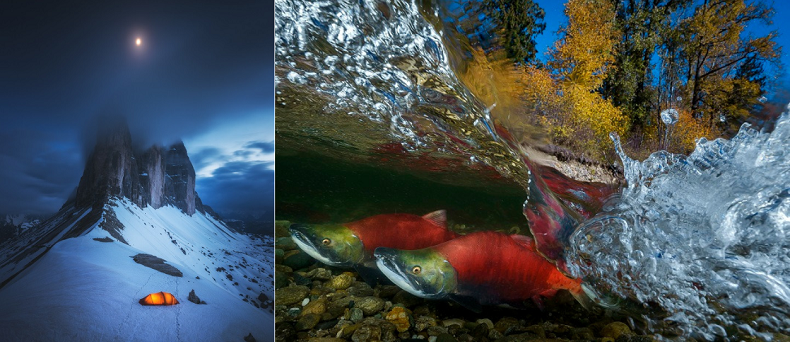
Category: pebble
[307,322]
[370,305]
[290,295]
[615,330]
[367,333]
[399,316]
[423,323]
[319,274]
[280,279]
[355,315]
[317,306]
[486,321]
[341,282]
[453,321]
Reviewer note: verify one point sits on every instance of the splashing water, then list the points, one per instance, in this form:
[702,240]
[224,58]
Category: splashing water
[699,243]
[705,237]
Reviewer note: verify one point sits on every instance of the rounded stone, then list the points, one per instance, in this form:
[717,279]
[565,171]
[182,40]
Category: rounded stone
[615,330]
[341,282]
[399,316]
[307,322]
[369,305]
[290,295]
[367,333]
[423,323]
[355,315]
[317,307]
[319,274]
[280,280]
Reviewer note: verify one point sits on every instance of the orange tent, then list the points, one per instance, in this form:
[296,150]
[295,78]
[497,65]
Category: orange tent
[159,298]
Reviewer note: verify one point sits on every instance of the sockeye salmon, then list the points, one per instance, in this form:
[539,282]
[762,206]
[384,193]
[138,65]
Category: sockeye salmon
[352,244]
[484,268]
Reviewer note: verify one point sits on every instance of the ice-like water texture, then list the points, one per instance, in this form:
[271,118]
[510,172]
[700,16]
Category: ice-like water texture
[375,59]
[706,237]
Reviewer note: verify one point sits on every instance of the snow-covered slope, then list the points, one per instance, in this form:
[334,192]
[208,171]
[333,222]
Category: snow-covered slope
[73,286]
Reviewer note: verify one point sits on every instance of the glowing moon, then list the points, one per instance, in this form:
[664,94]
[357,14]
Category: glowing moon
[138,41]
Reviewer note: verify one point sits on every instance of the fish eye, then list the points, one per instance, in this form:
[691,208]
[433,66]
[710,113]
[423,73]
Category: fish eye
[416,269]
[326,241]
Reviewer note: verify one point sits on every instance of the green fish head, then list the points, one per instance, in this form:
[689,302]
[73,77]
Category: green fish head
[424,272]
[332,244]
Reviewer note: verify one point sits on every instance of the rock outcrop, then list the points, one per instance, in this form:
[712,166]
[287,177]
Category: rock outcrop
[157,176]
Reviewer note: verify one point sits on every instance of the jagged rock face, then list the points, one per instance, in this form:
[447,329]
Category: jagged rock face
[155,177]
[180,182]
[110,168]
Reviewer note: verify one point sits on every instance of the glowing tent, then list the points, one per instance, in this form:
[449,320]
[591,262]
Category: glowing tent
[159,298]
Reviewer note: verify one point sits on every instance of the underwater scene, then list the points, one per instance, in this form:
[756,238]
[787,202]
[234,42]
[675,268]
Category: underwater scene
[416,198]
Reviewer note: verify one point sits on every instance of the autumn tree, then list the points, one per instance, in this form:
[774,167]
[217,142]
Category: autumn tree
[580,61]
[713,48]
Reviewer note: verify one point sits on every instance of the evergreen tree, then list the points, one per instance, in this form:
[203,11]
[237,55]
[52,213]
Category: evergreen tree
[519,22]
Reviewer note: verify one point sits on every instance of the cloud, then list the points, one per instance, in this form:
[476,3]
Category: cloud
[205,157]
[240,188]
[206,71]
[37,174]
[265,147]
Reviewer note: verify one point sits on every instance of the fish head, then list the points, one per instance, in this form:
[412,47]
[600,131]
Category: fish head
[424,272]
[332,244]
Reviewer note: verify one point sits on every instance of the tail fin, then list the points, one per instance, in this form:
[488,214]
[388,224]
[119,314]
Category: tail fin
[584,297]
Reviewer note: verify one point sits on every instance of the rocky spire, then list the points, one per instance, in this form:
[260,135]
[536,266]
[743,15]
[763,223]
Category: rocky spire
[157,176]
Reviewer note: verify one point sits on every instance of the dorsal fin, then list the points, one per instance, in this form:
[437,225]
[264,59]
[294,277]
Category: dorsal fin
[438,218]
[523,240]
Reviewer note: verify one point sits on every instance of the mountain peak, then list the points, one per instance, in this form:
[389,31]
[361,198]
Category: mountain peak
[157,176]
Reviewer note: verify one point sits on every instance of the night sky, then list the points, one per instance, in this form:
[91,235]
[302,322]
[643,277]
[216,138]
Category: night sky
[202,73]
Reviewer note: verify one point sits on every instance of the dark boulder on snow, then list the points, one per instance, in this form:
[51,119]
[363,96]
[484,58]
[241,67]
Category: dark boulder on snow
[266,303]
[249,338]
[158,264]
[104,239]
[194,298]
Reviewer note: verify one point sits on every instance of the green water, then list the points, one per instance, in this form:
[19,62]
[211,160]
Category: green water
[314,188]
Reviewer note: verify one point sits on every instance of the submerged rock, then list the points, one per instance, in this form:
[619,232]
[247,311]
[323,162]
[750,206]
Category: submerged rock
[290,295]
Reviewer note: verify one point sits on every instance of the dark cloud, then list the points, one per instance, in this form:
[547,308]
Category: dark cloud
[205,156]
[240,188]
[37,173]
[202,63]
[264,146]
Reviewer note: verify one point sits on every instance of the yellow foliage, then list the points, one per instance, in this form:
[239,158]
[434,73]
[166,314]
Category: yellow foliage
[684,134]
[585,53]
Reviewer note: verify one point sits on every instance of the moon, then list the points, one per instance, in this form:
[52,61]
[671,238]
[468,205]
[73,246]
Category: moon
[138,41]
